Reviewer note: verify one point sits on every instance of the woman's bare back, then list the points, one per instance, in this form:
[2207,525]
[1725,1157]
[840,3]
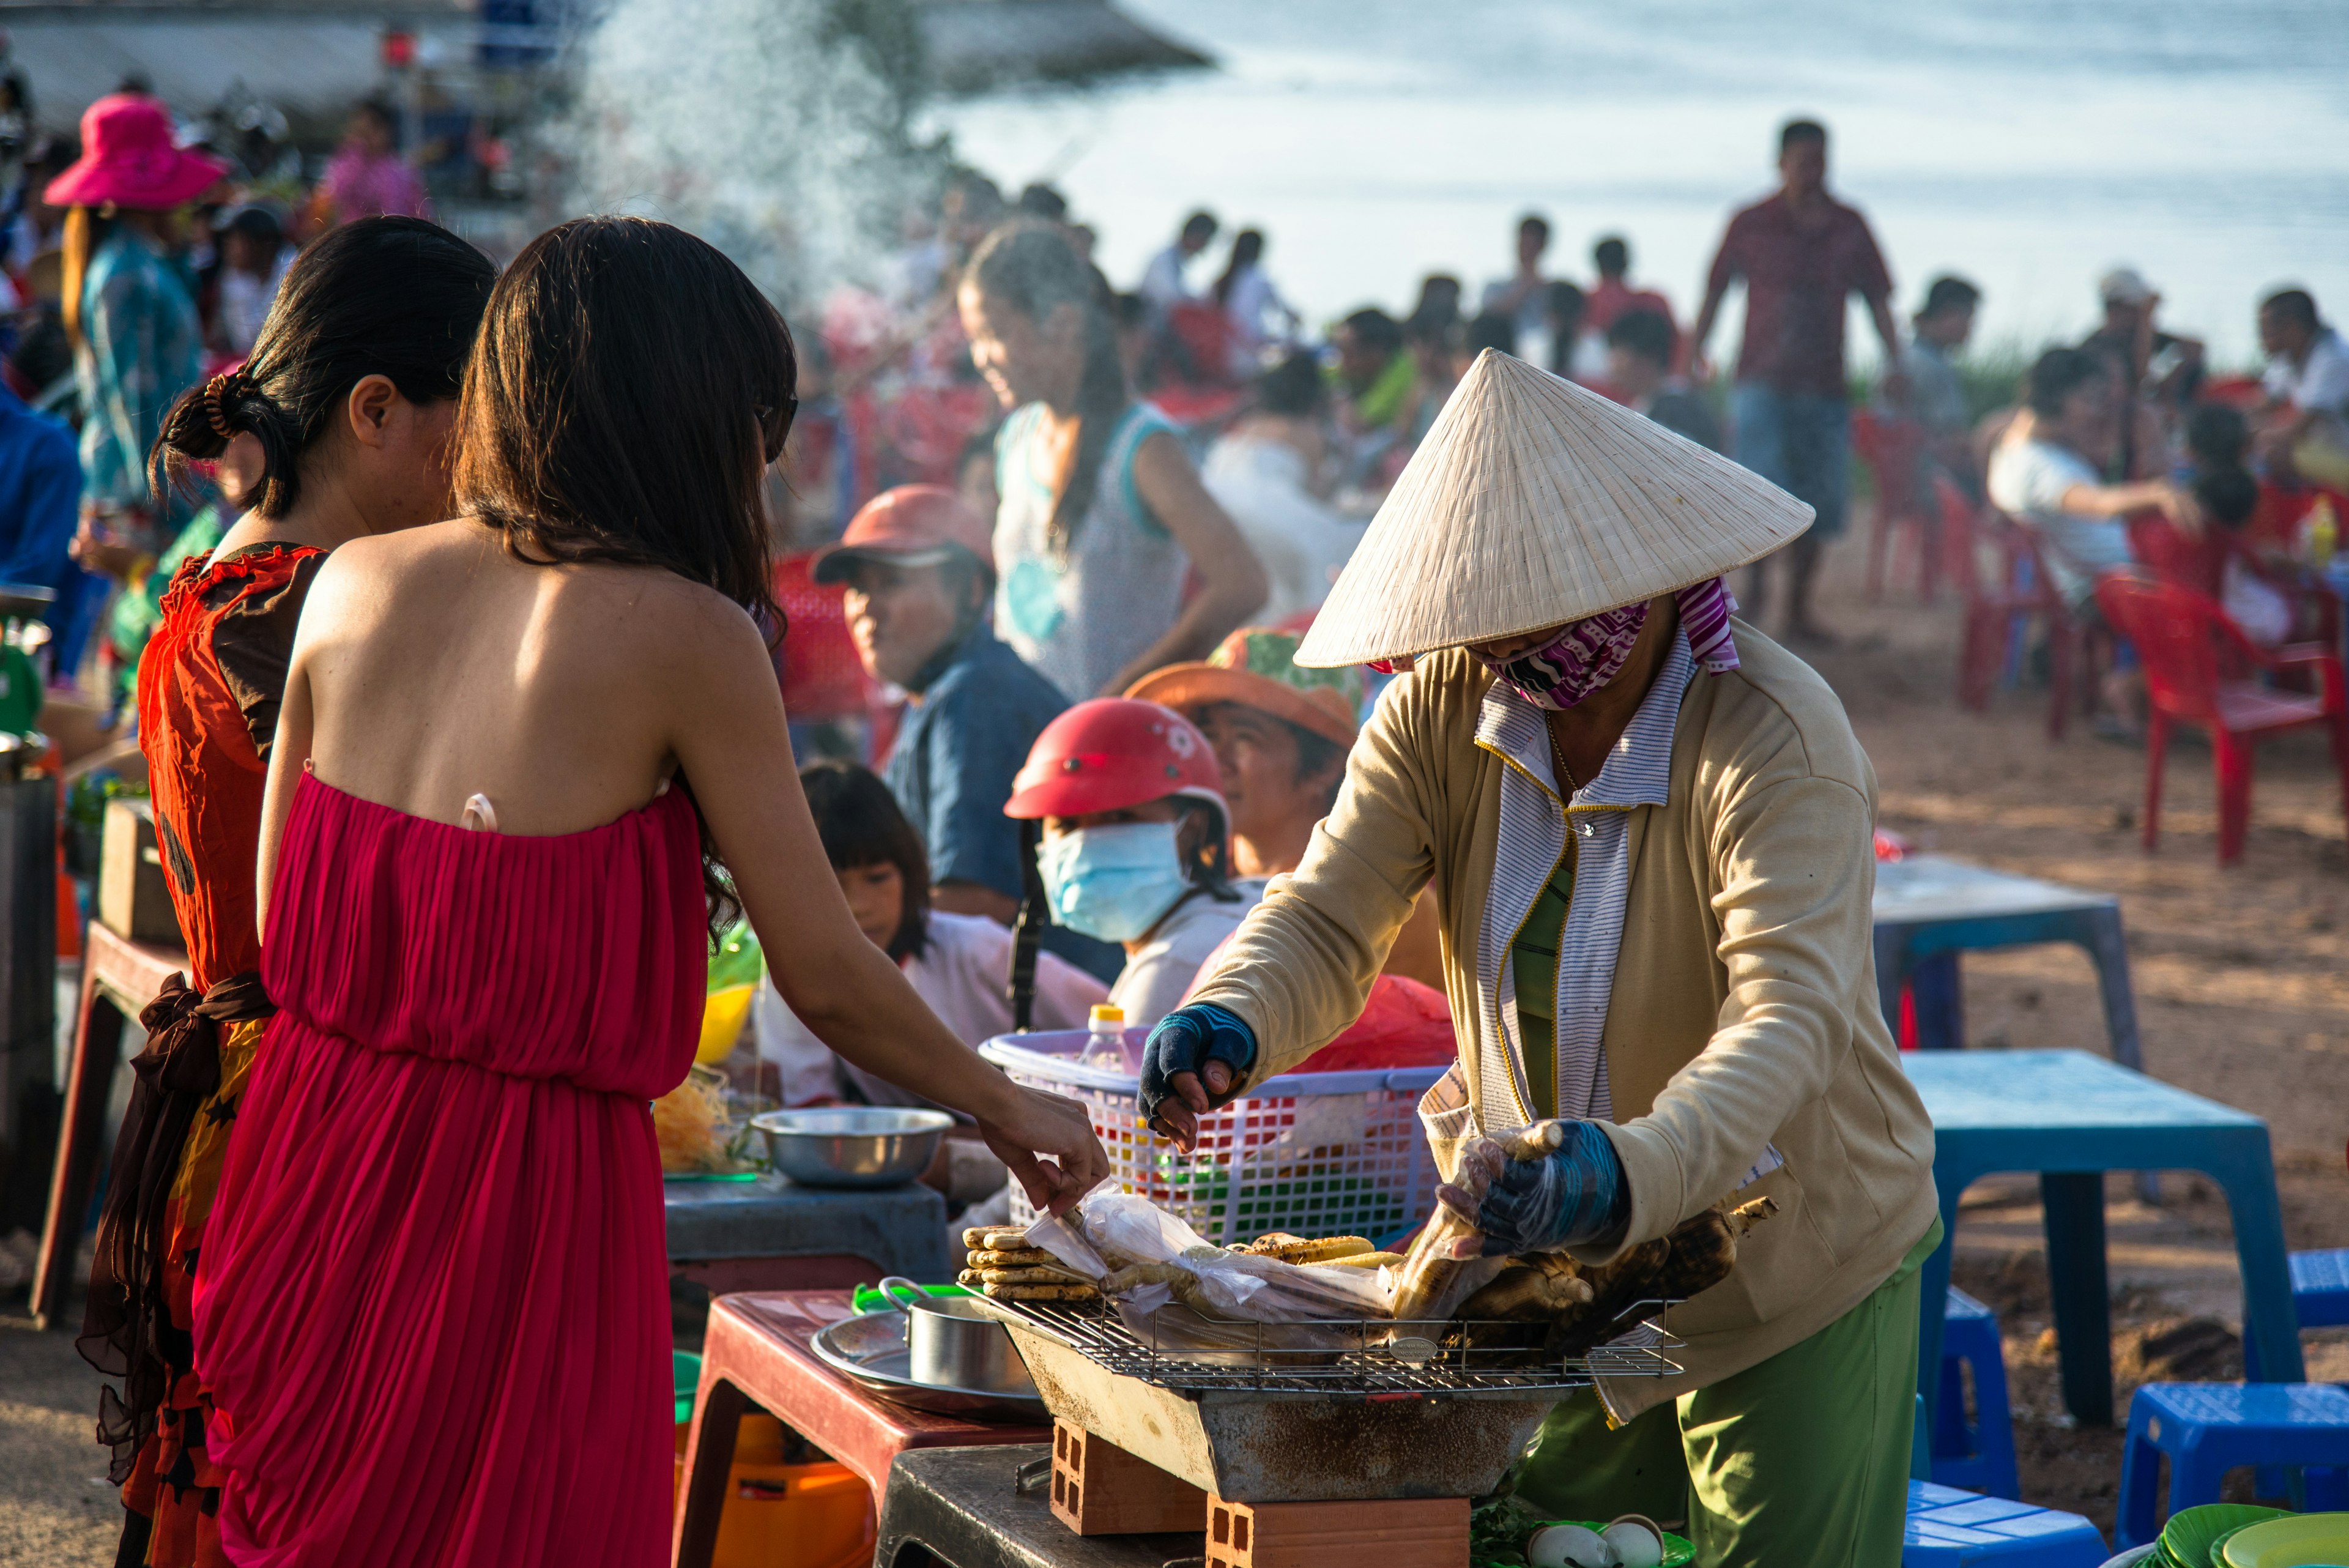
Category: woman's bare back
[432,666]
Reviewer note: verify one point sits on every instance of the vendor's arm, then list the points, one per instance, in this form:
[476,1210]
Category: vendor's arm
[1231,580]
[1301,965]
[1793,860]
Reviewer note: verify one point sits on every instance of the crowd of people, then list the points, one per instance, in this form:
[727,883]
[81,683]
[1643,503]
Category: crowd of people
[448,605]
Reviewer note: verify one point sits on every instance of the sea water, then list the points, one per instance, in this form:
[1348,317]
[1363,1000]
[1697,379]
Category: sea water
[2027,145]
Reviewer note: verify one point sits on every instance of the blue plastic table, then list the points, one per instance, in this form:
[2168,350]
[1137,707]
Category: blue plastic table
[2072,1116]
[1930,908]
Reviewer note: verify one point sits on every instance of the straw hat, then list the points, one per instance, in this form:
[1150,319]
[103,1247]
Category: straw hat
[1533,502]
[1257,668]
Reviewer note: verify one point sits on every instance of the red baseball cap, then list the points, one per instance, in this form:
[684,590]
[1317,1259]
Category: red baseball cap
[912,525]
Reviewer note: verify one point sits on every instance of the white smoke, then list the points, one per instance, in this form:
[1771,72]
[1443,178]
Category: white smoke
[764,126]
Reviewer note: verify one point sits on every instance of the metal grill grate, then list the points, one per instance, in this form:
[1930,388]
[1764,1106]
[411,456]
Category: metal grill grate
[1375,1356]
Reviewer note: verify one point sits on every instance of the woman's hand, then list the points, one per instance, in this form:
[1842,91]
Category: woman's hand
[1557,1185]
[1033,1123]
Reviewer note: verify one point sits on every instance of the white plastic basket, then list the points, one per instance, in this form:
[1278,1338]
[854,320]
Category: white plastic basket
[1315,1154]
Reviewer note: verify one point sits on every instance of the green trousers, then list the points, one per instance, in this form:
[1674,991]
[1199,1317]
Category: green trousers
[1799,1462]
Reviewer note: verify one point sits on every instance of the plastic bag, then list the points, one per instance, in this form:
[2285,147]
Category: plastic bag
[1143,1258]
[691,1125]
[1404,1024]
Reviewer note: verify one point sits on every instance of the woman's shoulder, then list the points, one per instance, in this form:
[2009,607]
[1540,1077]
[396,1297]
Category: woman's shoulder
[1771,719]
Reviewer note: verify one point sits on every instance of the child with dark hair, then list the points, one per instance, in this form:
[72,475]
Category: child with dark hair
[956,963]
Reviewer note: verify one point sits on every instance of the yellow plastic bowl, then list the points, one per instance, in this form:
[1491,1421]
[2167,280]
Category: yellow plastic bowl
[722,1018]
[2309,1537]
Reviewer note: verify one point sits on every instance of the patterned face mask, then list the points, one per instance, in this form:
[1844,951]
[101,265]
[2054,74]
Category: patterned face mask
[1583,656]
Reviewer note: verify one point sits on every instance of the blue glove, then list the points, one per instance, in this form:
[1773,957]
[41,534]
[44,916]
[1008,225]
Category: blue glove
[1577,1194]
[1185,1040]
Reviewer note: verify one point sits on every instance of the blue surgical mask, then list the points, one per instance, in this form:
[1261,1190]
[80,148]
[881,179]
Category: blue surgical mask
[1114,883]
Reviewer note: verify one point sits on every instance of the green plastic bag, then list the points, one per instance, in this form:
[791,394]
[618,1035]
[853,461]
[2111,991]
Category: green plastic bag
[738,960]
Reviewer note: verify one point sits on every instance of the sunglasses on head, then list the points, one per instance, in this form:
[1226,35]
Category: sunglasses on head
[775,423]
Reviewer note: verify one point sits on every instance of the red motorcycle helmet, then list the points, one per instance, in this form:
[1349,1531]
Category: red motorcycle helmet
[1113,753]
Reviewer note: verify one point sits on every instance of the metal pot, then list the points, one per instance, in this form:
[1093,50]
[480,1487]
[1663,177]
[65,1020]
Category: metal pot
[953,1343]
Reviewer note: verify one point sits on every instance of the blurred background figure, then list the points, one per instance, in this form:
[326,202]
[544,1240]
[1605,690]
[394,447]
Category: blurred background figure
[255,255]
[367,177]
[1934,396]
[1801,254]
[1164,283]
[1271,472]
[1638,374]
[2304,425]
[1612,295]
[1259,316]
[1523,296]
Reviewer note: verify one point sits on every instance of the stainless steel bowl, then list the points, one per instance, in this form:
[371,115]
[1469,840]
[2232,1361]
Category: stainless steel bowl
[853,1146]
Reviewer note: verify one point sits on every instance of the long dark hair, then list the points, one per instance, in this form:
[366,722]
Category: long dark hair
[861,825]
[1031,268]
[396,297]
[1247,249]
[629,389]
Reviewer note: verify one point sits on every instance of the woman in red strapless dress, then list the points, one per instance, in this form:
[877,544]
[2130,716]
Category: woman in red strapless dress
[516,750]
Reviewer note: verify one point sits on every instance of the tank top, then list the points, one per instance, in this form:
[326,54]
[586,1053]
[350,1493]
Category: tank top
[1079,616]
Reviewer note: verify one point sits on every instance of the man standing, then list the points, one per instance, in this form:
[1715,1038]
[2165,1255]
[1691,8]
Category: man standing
[1524,294]
[1162,286]
[1801,253]
[920,574]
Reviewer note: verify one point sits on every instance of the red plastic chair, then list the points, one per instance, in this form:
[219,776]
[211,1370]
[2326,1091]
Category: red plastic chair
[1998,569]
[1892,449]
[2195,660]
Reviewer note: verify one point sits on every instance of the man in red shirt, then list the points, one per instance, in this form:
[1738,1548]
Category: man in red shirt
[1612,295]
[1802,253]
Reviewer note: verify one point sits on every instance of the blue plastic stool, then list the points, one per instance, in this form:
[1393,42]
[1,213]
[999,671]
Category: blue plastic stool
[2209,1428]
[2320,1296]
[1977,1455]
[1952,1529]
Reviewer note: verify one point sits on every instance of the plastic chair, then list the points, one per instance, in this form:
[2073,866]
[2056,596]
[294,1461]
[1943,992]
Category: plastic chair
[2189,648]
[2209,1428]
[1953,1528]
[2003,600]
[1977,1455]
[1891,449]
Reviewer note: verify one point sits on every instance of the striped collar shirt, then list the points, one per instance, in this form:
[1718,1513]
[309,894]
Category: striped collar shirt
[1538,829]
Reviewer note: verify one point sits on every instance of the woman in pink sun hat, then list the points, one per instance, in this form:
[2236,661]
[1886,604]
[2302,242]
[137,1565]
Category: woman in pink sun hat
[137,342]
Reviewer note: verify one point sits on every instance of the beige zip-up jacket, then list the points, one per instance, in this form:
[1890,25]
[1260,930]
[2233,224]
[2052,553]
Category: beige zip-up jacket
[1743,1011]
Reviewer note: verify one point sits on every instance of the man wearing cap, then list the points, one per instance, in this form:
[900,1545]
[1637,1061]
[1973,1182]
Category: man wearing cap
[1280,733]
[2157,369]
[920,574]
[1650,831]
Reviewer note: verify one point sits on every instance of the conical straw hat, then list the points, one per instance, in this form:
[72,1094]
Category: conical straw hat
[1533,502]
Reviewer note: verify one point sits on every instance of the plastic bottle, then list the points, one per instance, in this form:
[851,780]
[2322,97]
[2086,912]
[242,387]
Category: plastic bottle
[2323,531]
[1106,1027]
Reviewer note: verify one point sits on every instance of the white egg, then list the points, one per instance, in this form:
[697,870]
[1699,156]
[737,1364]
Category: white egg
[1568,1546]
[1634,1544]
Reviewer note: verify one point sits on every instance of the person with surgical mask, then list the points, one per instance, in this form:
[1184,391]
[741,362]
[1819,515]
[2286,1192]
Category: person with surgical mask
[1134,846]
[1649,832]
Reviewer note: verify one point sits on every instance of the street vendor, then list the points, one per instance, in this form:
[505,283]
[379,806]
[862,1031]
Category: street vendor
[1648,830]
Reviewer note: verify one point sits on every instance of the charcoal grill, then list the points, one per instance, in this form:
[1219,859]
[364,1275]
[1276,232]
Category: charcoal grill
[1391,1411]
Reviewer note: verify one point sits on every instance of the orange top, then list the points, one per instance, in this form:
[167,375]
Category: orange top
[209,685]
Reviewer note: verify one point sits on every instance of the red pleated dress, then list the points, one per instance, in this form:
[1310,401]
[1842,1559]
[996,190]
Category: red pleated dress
[434,1310]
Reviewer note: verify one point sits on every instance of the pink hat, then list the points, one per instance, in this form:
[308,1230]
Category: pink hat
[129,160]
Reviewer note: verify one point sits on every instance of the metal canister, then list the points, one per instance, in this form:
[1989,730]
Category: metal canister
[952,1343]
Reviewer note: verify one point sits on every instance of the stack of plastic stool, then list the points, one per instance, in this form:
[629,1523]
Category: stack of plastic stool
[2320,1296]
[1979,1455]
[1953,1528]
[2209,1428]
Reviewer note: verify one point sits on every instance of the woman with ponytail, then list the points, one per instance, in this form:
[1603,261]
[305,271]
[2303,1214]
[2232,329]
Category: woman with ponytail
[1102,517]
[136,340]
[514,749]
[337,426]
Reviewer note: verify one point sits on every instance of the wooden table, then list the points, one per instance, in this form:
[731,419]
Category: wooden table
[2072,1116]
[119,978]
[756,1349]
